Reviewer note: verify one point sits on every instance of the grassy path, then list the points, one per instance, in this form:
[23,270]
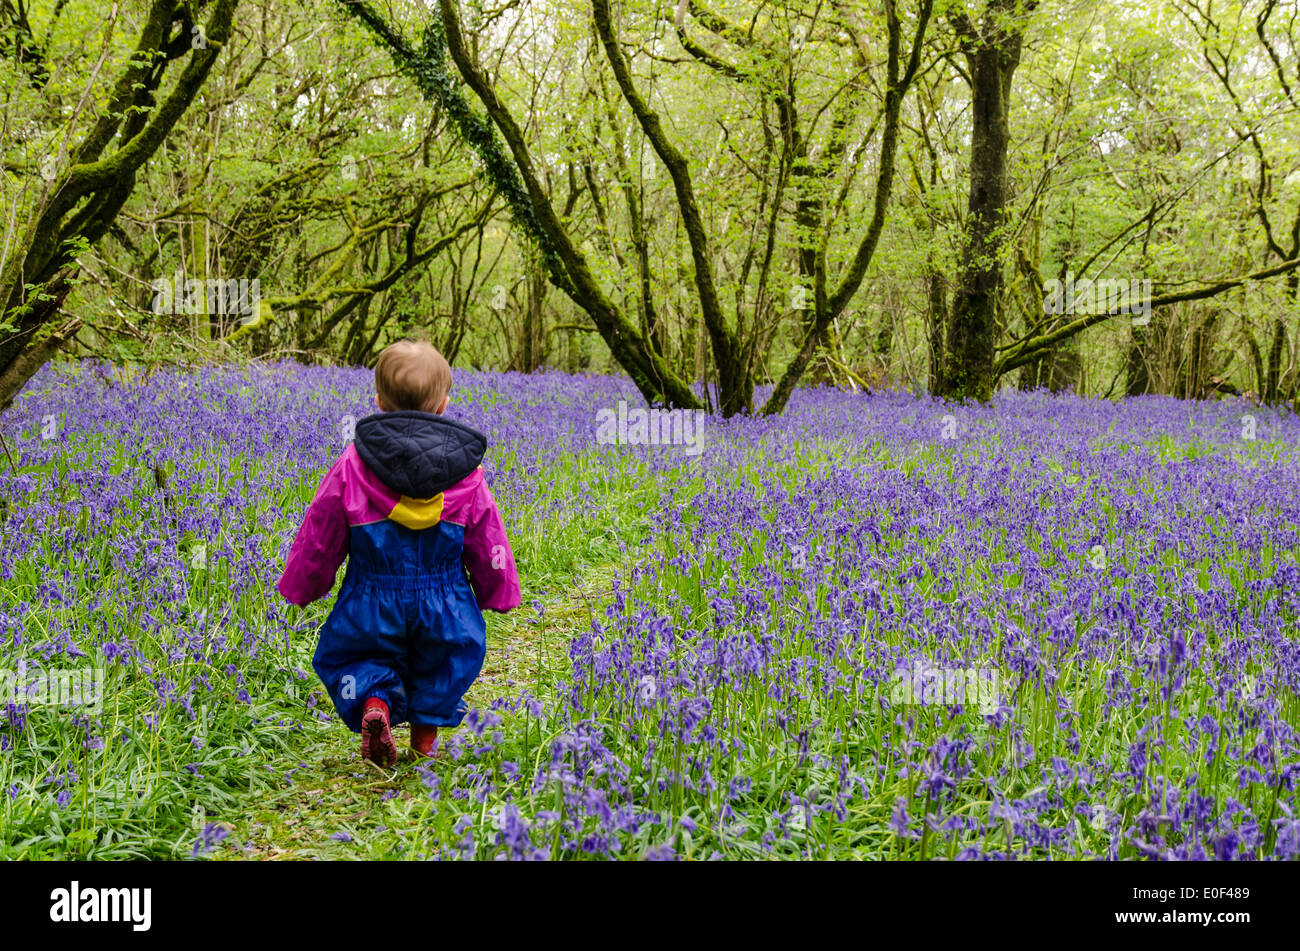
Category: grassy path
[334,805]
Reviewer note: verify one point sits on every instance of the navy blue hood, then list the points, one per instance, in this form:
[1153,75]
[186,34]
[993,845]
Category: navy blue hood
[418,454]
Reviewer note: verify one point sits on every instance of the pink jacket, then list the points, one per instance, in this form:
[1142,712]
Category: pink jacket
[353,506]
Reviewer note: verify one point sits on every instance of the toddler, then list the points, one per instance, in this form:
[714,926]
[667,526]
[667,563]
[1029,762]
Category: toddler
[407,506]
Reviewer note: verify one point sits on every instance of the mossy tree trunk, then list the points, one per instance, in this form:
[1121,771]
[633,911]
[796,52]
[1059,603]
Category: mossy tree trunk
[992,50]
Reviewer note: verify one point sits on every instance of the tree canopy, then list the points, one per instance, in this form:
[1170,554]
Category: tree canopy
[722,199]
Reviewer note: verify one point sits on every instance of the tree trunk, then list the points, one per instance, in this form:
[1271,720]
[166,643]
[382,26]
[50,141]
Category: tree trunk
[1137,376]
[1272,387]
[936,320]
[533,355]
[992,54]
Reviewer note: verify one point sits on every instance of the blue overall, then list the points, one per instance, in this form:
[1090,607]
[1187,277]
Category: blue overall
[409,508]
[406,615]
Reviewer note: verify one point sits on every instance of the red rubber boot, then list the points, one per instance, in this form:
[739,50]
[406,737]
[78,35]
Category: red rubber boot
[422,738]
[376,737]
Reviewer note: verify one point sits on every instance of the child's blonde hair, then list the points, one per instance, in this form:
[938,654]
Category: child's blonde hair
[412,374]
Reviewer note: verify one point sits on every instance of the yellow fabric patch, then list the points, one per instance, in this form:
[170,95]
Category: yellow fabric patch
[417,513]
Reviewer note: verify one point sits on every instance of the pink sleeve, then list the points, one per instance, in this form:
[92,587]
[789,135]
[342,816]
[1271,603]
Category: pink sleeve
[488,558]
[321,544]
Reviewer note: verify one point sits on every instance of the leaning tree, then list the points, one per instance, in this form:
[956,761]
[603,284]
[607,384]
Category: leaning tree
[798,192]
